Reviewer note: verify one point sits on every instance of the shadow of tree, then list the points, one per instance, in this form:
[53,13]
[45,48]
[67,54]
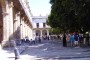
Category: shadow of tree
[43,50]
[53,50]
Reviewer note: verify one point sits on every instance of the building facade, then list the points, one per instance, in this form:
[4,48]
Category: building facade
[40,28]
[15,21]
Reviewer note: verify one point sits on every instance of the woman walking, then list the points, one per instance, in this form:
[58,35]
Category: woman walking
[64,40]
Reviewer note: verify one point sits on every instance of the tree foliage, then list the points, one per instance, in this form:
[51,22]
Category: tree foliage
[70,15]
[55,31]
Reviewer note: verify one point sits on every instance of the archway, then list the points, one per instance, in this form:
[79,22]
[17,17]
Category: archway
[44,34]
[38,33]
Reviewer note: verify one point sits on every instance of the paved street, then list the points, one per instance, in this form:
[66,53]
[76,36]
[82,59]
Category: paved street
[8,53]
[53,50]
[47,50]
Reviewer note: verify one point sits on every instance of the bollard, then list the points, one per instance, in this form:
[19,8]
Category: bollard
[17,55]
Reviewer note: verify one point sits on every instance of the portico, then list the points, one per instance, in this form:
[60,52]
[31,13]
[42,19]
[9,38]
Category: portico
[40,28]
[14,21]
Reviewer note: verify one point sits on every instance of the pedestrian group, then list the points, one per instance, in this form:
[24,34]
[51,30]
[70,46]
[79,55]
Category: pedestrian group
[76,40]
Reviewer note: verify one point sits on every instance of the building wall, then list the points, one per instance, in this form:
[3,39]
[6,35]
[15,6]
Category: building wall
[40,31]
[40,20]
[1,23]
[16,23]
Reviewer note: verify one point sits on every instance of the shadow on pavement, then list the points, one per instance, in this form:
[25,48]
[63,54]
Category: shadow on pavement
[55,50]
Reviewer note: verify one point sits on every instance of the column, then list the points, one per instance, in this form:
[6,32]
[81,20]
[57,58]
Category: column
[41,34]
[15,25]
[24,29]
[27,31]
[10,21]
[18,25]
[21,28]
[5,24]
[30,32]
[47,32]
[33,34]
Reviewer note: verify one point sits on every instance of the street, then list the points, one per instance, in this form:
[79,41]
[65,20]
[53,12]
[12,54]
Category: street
[53,50]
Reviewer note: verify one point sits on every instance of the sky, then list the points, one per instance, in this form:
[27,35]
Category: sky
[40,7]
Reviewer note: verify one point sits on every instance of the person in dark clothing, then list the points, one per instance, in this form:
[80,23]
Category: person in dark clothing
[81,40]
[87,39]
[39,39]
[64,40]
[76,37]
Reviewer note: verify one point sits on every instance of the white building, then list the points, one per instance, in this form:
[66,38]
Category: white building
[40,28]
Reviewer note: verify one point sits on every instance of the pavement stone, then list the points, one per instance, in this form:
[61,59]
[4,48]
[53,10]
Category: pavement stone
[53,50]
[47,50]
[8,53]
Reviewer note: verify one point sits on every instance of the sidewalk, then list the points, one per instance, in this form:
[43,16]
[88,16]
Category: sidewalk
[8,53]
[53,50]
[47,50]
[70,52]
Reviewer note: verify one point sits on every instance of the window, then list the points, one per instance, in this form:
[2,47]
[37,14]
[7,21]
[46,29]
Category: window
[37,24]
[44,25]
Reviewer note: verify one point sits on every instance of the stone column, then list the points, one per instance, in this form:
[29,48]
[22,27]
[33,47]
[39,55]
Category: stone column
[5,29]
[15,25]
[34,34]
[21,28]
[47,32]
[18,25]
[41,34]
[10,21]
[30,32]
[5,24]
[24,29]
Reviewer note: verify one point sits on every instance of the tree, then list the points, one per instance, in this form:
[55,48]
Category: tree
[55,31]
[70,15]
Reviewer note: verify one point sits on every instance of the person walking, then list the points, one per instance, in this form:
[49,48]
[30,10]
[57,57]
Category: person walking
[72,40]
[80,40]
[87,39]
[64,40]
[39,38]
[76,40]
